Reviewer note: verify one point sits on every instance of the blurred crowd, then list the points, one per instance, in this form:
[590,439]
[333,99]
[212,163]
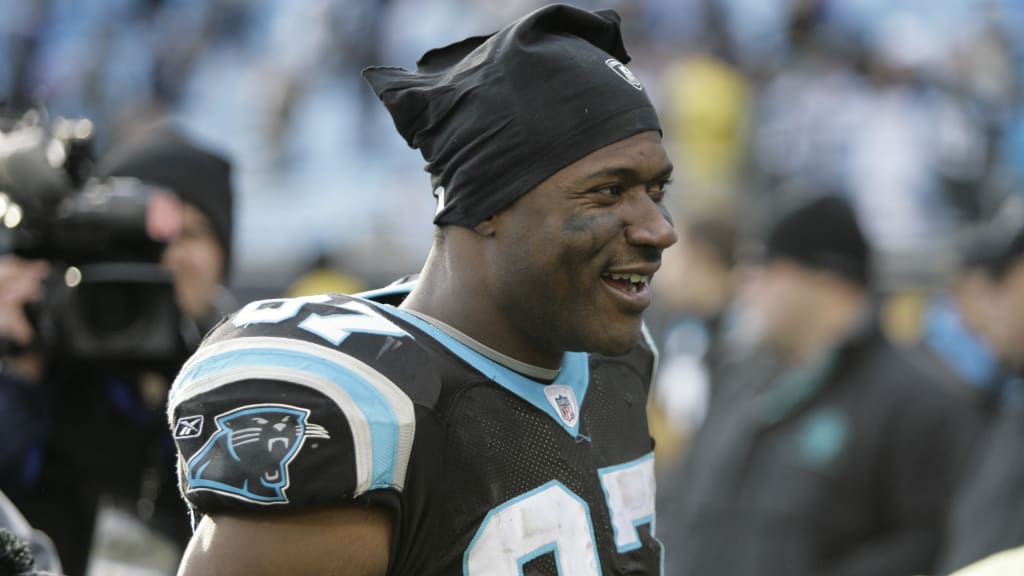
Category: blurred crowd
[912,109]
[907,118]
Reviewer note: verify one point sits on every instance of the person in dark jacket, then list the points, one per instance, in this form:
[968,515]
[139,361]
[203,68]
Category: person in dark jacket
[94,453]
[988,514]
[975,326]
[842,458]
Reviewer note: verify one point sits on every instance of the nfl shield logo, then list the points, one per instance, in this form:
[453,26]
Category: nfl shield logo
[565,407]
[563,400]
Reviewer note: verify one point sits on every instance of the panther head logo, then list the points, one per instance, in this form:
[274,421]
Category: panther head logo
[248,456]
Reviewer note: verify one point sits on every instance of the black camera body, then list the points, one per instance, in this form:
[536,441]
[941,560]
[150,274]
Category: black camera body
[108,299]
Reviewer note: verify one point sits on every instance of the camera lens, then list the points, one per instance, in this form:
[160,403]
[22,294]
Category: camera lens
[112,309]
[118,311]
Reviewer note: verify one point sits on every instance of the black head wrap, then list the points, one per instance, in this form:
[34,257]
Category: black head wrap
[494,116]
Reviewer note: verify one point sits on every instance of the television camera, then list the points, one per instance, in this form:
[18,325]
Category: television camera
[108,299]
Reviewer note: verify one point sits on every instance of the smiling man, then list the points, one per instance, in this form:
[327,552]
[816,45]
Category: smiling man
[488,418]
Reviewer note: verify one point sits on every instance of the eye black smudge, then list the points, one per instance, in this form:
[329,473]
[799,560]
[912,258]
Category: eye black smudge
[595,226]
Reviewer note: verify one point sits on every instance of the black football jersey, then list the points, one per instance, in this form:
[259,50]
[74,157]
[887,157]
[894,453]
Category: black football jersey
[323,400]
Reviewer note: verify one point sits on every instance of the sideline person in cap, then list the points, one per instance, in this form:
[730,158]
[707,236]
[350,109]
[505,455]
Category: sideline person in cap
[974,326]
[106,441]
[988,513]
[491,419]
[200,255]
[842,461]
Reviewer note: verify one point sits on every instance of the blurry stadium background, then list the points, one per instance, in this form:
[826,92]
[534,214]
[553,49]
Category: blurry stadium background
[912,108]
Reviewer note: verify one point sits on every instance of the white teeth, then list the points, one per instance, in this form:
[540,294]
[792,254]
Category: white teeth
[633,279]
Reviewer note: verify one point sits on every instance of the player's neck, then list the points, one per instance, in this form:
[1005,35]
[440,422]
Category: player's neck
[529,370]
[490,334]
[443,293]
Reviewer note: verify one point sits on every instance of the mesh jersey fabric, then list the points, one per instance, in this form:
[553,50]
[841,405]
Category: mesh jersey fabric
[342,399]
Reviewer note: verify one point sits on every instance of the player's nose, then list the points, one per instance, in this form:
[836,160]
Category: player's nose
[650,224]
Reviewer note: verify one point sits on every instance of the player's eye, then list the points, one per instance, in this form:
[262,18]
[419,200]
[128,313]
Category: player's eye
[609,190]
[659,189]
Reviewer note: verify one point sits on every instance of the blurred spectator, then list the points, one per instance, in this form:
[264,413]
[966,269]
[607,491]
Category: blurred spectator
[956,324]
[782,81]
[22,409]
[108,461]
[841,463]
[965,325]
[22,40]
[1011,146]
[914,110]
[694,290]
[802,121]
[706,110]
[988,514]
[1008,273]
[880,115]
[908,138]
[323,277]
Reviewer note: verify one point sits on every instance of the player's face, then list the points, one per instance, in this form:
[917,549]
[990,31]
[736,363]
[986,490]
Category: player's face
[197,262]
[577,253]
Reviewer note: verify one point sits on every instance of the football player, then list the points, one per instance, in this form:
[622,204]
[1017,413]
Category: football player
[489,417]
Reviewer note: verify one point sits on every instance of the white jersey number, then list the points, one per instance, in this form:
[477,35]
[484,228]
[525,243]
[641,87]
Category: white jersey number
[553,519]
[547,519]
[334,328]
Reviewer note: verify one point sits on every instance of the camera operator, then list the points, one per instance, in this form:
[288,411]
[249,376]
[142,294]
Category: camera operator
[107,461]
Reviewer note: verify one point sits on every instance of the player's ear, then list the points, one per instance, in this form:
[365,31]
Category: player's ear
[487,227]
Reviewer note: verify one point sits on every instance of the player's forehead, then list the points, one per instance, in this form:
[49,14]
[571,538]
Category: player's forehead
[641,157]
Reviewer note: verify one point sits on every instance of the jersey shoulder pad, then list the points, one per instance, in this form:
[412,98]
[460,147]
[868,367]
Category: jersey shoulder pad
[299,402]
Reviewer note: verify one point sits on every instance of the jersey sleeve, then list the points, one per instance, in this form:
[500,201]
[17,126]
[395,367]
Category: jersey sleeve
[295,403]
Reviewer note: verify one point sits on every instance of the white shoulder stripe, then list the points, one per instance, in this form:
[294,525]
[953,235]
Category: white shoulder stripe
[389,464]
[362,439]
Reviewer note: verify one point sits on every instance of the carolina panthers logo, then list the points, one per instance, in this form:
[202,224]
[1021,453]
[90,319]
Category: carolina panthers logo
[248,456]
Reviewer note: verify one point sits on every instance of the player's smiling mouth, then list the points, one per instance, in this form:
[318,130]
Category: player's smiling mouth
[630,283]
[630,288]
